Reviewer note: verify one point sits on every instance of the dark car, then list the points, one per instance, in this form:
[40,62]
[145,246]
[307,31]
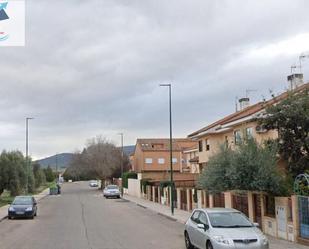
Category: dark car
[23,206]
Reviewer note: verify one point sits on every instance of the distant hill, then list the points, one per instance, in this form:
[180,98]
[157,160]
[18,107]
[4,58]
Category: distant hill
[128,150]
[62,160]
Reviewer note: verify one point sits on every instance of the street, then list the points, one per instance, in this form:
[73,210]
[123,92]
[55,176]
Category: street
[82,219]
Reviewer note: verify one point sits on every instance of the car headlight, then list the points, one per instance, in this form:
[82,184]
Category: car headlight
[11,209]
[222,240]
[264,239]
[28,209]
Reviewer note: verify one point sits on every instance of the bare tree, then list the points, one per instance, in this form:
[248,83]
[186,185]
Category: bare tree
[102,157]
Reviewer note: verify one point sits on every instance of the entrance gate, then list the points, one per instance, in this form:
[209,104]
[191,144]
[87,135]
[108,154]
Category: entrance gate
[301,188]
[303,210]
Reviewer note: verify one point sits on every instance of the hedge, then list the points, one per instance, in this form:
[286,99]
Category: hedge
[126,176]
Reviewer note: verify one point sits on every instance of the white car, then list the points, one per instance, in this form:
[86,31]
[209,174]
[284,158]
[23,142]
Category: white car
[94,184]
[222,228]
[111,191]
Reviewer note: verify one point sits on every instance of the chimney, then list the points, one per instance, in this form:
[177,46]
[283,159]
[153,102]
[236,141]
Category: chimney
[295,80]
[244,103]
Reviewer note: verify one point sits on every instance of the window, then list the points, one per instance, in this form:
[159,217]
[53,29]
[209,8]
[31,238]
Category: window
[237,136]
[174,160]
[195,215]
[203,219]
[226,141]
[200,146]
[161,161]
[270,209]
[148,160]
[158,146]
[207,145]
[249,133]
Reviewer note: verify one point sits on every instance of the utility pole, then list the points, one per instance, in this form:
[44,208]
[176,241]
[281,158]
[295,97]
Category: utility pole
[27,156]
[57,165]
[121,165]
[171,145]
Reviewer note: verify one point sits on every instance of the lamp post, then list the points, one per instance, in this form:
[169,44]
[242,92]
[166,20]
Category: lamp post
[27,146]
[171,145]
[121,165]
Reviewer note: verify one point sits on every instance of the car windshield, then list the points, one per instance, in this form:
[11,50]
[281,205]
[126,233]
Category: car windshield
[22,201]
[229,219]
[112,187]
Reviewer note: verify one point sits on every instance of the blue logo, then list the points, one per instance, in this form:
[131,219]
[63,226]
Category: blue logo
[3,16]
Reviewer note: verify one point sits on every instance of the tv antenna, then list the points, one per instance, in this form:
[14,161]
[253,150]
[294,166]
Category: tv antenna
[301,57]
[248,91]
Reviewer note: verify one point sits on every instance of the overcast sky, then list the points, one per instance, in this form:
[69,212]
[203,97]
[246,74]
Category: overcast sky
[94,67]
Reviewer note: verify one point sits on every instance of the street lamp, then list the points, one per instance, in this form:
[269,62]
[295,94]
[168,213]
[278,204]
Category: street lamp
[27,146]
[171,145]
[121,165]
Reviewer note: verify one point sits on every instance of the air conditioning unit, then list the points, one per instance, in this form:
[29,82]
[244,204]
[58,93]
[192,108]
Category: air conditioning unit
[260,129]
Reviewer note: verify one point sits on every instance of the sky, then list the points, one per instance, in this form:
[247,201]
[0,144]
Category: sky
[94,67]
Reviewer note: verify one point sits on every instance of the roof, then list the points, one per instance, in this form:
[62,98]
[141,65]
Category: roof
[192,148]
[247,112]
[219,210]
[163,144]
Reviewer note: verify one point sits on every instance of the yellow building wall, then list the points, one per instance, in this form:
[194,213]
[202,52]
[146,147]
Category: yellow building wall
[216,140]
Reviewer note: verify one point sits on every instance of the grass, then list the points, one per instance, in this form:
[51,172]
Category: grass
[45,186]
[6,199]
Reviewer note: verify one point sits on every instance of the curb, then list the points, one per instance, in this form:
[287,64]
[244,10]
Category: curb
[3,218]
[158,213]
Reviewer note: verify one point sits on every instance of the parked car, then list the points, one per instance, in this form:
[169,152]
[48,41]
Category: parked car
[111,191]
[222,228]
[23,206]
[93,183]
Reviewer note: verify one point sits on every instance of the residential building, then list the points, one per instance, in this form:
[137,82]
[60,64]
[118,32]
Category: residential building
[153,155]
[233,129]
[191,161]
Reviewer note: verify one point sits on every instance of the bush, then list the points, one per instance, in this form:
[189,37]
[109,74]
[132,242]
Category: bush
[249,167]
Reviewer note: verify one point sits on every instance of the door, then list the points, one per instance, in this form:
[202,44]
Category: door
[303,209]
[282,222]
[257,209]
[201,234]
[192,229]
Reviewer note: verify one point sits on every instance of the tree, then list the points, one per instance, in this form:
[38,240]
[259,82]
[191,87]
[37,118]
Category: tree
[216,177]
[100,159]
[290,118]
[39,175]
[250,167]
[13,172]
[49,175]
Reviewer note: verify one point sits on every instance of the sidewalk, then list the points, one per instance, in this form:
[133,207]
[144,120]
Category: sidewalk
[38,197]
[182,216]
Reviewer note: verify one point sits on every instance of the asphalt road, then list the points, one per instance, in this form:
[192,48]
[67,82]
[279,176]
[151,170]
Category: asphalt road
[82,219]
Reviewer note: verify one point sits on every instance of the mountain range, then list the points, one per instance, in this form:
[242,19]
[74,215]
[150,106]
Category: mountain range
[63,160]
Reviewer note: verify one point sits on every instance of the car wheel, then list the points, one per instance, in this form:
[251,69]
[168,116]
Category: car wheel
[9,217]
[209,245]
[188,242]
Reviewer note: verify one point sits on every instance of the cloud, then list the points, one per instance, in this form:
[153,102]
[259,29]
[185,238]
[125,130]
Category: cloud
[93,67]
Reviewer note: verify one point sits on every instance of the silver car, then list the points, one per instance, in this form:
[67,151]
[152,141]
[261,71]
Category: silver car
[222,228]
[111,191]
